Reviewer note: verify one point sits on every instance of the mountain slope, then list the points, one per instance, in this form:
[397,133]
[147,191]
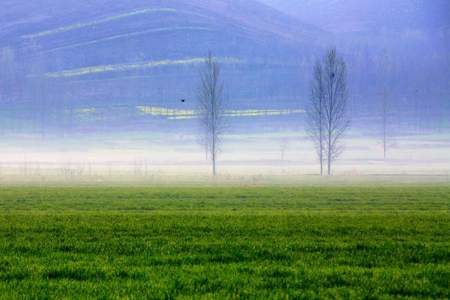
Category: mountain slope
[402,45]
[364,16]
[114,56]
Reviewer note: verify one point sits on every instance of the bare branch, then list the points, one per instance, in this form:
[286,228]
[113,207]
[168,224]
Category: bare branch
[327,114]
[210,102]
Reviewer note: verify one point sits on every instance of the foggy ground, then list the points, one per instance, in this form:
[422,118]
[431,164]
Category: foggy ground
[245,158]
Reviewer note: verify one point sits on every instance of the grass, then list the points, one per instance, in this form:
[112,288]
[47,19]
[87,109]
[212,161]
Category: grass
[203,243]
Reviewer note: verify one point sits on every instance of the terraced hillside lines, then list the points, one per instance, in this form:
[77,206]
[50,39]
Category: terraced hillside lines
[98,22]
[190,29]
[85,54]
[182,114]
[225,243]
[138,66]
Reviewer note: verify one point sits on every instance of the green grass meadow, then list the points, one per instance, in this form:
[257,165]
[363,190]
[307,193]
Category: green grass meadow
[315,242]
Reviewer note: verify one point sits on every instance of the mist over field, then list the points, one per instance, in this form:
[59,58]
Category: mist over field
[110,88]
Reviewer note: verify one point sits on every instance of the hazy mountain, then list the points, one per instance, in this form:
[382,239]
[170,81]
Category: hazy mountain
[51,38]
[399,45]
[71,55]
[369,16]
[62,57]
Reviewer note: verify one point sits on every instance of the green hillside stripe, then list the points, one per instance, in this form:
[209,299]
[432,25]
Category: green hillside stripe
[136,66]
[128,35]
[97,22]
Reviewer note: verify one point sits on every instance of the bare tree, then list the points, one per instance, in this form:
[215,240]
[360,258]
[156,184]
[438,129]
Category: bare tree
[335,105]
[385,111]
[284,144]
[328,119]
[210,97]
[316,119]
[386,71]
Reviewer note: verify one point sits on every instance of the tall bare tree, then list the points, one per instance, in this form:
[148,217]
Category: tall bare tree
[328,118]
[335,105]
[210,98]
[385,111]
[386,73]
[316,120]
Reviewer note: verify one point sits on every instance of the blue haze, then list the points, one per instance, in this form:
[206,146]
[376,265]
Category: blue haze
[74,69]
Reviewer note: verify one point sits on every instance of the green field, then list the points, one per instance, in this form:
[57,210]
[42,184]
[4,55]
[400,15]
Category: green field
[225,242]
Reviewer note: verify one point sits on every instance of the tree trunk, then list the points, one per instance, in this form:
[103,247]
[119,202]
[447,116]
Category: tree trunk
[213,156]
[321,160]
[321,165]
[329,155]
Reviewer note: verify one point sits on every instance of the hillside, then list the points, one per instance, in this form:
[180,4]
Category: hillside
[119,55]
[369,16]
[97,62]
